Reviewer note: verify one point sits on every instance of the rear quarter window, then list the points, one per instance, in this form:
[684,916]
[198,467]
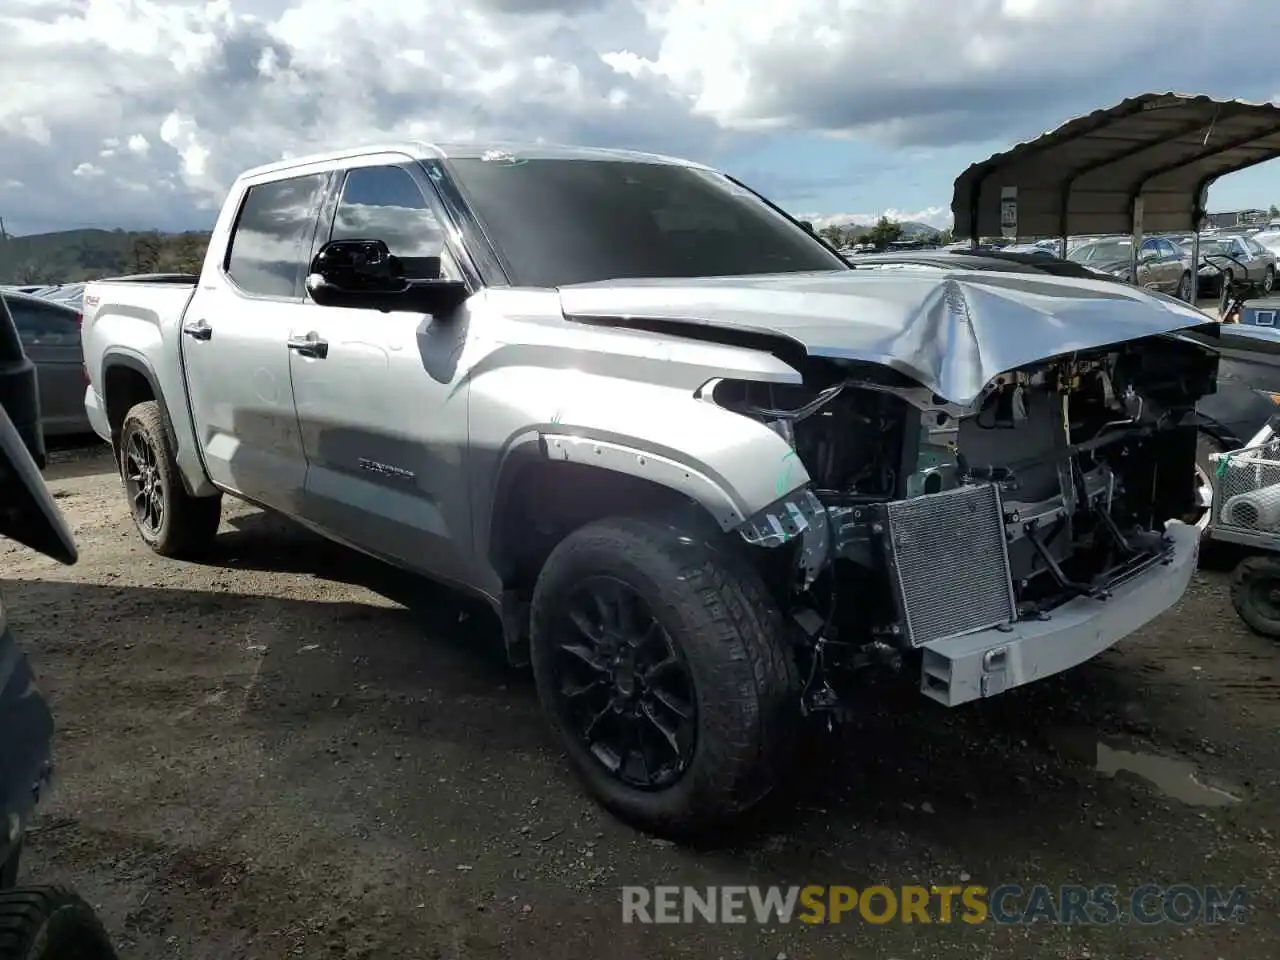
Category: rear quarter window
[272,236]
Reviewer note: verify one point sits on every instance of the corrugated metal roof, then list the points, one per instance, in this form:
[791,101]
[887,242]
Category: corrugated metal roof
[1084,177]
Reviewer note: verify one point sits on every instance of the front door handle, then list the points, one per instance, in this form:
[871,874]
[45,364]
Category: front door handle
[310,346]
[198,330]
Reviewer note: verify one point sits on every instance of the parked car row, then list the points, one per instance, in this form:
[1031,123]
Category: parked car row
[1161,264]
[1226,257]
[1164,261]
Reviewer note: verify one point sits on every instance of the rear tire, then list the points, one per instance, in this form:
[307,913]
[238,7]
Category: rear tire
[171,521]
[50,923]
[724,632]
[1255,593]
[1269,280]
[1185,289]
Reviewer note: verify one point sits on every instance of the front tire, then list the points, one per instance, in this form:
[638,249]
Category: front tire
[171,521]
[662,664]
[50,923]
[1185,286]
[1269,280]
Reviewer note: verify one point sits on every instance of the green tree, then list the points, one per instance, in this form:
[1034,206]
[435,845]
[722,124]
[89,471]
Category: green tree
[33,273]
[885,232]
[833,235]
[183,253]
[946,236]
[145,254]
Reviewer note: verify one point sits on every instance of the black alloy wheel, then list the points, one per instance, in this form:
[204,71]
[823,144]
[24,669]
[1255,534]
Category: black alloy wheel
[144,484]
[623,685]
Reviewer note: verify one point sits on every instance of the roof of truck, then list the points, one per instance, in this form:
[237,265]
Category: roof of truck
[422,150]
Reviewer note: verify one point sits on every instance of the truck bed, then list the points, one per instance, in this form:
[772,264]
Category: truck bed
[139,320]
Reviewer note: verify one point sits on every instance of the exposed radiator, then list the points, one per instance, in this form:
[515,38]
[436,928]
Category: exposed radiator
[948,562]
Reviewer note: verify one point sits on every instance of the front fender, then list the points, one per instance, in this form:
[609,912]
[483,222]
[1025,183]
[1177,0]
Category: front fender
[731,465]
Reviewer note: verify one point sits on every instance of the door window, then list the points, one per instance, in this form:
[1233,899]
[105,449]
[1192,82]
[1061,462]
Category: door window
[385,203]
[41,325]
[272,233]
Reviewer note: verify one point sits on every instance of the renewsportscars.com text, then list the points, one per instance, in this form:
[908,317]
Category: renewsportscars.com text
[1150,904]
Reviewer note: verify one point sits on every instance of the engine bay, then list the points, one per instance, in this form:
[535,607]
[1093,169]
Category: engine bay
[1055,484]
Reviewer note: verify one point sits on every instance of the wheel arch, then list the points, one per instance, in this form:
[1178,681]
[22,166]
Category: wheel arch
[539,498]
[127,380]
[538,492]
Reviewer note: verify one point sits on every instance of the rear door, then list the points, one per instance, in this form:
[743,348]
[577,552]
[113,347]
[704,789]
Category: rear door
[1171,265]
[1239,249]
[1152,270]
[50,336]
[1262,258]
[235,343]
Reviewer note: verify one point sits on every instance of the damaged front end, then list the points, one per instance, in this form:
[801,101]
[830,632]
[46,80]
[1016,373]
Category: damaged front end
[952,534]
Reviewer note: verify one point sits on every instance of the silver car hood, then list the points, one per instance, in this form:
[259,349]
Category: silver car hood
[951,331]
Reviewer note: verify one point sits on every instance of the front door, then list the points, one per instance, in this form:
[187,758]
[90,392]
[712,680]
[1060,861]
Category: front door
[384,422]
[235,345]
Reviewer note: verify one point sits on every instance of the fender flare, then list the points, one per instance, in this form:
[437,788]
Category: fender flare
[118,357]
[536,446]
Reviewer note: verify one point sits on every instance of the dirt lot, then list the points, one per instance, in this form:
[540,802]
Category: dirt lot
[292,751]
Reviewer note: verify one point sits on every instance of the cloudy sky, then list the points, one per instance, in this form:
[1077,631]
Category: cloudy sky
[134,113]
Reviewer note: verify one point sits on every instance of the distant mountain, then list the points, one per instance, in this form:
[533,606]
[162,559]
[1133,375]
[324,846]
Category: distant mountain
[912,229]
[858,228]
[72,255]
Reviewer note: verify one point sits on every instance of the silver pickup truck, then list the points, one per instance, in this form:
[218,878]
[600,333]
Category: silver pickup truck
[703,470]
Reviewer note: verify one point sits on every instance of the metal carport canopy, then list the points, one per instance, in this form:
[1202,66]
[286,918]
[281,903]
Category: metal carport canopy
[1142,166]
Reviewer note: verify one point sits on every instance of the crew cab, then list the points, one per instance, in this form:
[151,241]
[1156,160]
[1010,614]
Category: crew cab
[703,469]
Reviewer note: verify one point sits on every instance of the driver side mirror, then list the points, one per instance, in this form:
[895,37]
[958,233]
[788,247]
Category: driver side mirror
[364,275]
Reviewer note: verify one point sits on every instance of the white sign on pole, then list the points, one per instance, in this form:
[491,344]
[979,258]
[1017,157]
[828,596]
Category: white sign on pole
[1009,211]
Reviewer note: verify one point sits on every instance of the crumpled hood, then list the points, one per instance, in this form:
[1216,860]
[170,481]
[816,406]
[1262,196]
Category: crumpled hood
[951,331]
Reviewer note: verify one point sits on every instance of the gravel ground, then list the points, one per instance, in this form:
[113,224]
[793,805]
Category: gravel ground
[290,750]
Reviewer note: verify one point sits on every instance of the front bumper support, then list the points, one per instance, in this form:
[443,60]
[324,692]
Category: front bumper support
[989,662]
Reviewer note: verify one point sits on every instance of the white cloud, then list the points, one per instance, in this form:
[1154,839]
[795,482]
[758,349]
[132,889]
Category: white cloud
[939,217]
[181,95]
[923,71]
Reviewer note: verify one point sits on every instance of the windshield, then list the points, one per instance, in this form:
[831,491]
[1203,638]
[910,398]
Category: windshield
[556,222]
[1110,250]
[1217,248]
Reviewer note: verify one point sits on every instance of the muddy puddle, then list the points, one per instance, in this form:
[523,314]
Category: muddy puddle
[1175,778]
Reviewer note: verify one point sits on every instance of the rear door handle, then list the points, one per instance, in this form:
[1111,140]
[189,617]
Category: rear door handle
[198,330]
[310,346]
